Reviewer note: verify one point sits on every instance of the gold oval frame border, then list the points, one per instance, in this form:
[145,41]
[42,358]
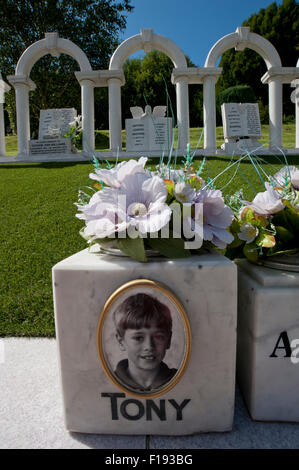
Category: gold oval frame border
[166,291]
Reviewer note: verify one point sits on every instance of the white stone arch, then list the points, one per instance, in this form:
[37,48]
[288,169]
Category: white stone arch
[54,45]
[241,39]
[147,40]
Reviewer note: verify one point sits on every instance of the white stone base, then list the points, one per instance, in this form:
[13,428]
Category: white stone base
[268,302]
[241,146]
[205,285]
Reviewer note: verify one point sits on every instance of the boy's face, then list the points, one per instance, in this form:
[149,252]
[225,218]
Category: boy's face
[146,347]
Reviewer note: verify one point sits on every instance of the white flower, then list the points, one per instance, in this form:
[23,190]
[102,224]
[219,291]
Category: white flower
[216,217]
[248,232]
[267,202]
[139,204]
[77,122]
[184,192]
[286,174]
[115,176]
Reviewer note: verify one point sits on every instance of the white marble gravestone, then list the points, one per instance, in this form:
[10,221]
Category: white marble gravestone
[241,126]
[268,324]
[55,122]
[148,131]
[53,125]
[199,400]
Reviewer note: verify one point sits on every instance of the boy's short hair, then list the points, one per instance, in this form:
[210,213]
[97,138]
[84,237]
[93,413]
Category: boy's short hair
[141,311]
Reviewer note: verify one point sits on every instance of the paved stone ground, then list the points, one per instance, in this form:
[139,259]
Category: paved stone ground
[31,415]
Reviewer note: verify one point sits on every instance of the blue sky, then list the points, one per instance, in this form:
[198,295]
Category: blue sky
[194,25]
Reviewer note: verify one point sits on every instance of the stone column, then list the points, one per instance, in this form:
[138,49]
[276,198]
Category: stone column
[209,109]
[275,113]
[87,105]
[114,85]
[23,119]
[182,95]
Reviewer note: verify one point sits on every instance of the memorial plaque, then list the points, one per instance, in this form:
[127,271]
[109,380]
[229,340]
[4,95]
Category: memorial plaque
[54,123]
[160,133]
[136,134]
[46,146]
[241,120]
[148,133]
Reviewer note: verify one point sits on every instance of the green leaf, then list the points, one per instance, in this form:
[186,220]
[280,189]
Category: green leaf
[265,240]
[289,206]
[283,234]
[97,240]
[281,219]
[282,252]
[259,221]
[233,253]
[293,218]
[251,252]
[236,242]
[169,247]
[247,214]
[235,226]
[86,237]
[133,247]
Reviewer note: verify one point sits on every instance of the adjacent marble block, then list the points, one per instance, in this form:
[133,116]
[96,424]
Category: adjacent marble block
[268,323]
[206,286]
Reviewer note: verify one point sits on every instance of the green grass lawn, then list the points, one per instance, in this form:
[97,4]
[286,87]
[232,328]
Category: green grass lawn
[39,229]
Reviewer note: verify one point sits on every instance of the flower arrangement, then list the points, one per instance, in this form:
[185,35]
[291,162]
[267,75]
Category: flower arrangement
[170,211]
[269,224]
[75,132]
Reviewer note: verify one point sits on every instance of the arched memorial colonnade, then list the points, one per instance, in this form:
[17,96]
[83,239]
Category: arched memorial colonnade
[182,76]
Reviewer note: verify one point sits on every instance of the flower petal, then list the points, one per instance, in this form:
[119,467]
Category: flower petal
[222,220]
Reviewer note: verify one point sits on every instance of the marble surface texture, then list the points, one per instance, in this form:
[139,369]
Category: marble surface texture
[267,307]
[207,288]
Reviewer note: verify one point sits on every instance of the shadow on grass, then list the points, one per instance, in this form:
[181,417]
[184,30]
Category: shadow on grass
[153,161]
[44,165]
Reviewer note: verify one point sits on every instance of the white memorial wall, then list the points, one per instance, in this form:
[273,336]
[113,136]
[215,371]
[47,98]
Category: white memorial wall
[182,76]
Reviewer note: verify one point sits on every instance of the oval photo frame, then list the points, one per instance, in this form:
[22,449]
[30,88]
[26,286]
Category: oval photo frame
[143,353]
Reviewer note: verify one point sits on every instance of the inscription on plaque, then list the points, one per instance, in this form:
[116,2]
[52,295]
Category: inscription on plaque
[241,120]
[50,146]
[148,130]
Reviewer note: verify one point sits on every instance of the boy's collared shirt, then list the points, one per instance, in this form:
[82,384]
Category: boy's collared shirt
[165,375]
